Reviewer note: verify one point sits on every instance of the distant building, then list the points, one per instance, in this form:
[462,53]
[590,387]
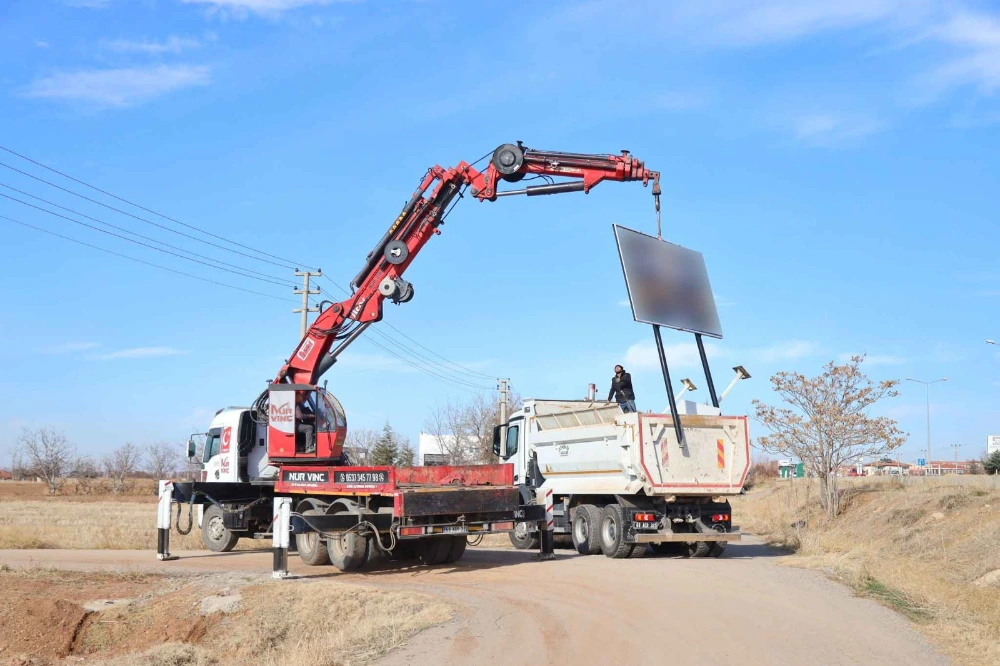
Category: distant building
[788,469]
[887,468]
[939,467]
[431,452]
[5,475]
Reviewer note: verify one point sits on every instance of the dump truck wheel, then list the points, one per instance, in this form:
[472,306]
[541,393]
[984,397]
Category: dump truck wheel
[639,550]
[457,549]
[348,551]
[522,539]
[586,526]
[214,534]
[697,549]
[404,550]
[717,549]
[433,550]
[612,533]
[668,548]
[311,546]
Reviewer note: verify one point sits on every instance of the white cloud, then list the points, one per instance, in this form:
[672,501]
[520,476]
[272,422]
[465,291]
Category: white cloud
[624,303]
[140,352]
[876,359]
[977,36]
[41,44]
[785,351]
[117,87]
[241,8]
[172,44]
[643,355]
[832,128]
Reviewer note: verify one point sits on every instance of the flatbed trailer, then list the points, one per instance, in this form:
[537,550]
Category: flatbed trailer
[349,515]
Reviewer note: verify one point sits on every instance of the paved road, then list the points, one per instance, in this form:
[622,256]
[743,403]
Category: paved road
[514,610]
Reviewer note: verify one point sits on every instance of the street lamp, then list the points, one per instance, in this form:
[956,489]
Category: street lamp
[688,386]
[927,385]
[741,373]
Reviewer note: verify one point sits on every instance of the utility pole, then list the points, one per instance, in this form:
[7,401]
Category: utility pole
[927,386]
[502,387]
[956,447]
[306,293]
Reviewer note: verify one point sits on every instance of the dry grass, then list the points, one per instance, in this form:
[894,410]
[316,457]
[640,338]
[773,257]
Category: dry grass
[917,545]
[93,525]
[326,623]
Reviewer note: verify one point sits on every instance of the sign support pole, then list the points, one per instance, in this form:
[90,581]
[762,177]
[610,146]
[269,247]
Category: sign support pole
[666,380]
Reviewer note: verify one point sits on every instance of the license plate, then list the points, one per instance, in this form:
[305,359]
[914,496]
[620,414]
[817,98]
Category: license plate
[454,529]
[645,526]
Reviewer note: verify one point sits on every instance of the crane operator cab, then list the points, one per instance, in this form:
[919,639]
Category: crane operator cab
[305,424]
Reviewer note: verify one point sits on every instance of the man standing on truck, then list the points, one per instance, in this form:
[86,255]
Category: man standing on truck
[621,390]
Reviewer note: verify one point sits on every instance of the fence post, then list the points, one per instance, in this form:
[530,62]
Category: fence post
[280,536]
[546,541]
[163,522]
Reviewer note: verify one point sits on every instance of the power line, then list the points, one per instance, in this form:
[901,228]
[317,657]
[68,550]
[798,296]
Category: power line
[455,382]
[132,240]
[287,262]
[461,368]
[275,279]
[142,261]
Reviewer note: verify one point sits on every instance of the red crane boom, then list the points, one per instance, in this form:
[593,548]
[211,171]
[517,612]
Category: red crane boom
[381,278]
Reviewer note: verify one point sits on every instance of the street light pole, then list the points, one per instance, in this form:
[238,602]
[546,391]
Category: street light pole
[927,385]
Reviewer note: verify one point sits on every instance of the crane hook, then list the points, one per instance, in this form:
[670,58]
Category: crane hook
[656,202]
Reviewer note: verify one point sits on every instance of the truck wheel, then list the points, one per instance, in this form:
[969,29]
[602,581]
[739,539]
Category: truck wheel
[404,550]
[697,549]
[612,533]
[457,549]
[214,534]
[668,548]
[312,548]
[433,550]
[717,549]
[586,525]
[522,538]
[348,551]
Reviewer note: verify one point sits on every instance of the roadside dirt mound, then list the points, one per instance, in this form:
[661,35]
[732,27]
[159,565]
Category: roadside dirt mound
[44,628]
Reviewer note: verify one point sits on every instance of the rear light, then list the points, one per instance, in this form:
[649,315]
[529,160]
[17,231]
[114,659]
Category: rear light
[411,531]
[645,517]
[508,525]
[720,517]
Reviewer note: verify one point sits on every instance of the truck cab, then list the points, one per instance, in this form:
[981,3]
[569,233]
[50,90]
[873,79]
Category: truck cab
[234,449]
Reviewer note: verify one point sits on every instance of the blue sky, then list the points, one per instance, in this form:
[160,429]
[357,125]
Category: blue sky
[836,163]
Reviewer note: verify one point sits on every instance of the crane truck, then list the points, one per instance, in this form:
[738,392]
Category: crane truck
[286,449]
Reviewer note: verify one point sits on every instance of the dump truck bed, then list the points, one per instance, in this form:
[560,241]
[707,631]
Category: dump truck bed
[596,448]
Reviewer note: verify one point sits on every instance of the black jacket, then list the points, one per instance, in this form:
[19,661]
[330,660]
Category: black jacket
[621,388]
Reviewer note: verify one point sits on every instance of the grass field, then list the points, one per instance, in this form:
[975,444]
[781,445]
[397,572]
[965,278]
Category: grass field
[927,547]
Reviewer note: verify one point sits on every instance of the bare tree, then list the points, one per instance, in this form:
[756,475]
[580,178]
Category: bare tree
[120,465]
[18,468]
[161,460]
[359,445]
[828,424]
[84,472]
[48,455]
[464,431]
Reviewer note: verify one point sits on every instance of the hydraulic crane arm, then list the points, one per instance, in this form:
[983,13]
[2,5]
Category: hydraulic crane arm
[381,276]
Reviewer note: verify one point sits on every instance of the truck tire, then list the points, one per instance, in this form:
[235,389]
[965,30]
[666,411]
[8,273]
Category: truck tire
[311,546]
[717,549]
[522,539]
[612,533]
[697,549]
[433,550]
[214,534]
[348,551]
[586,528]
[404,550]
[457,549]
[671,548]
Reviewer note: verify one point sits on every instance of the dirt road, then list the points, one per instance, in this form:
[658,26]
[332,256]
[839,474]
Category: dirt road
[514,610]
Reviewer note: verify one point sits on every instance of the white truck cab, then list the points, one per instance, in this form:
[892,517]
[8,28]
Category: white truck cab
[235,448]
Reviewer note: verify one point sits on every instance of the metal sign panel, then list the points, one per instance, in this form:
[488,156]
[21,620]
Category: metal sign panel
[992,444]
[667,284]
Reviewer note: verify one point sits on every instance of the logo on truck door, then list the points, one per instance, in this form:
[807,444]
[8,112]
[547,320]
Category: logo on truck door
[226,435]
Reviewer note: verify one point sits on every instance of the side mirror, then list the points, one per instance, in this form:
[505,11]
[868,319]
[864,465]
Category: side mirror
[496,440]
[191,448]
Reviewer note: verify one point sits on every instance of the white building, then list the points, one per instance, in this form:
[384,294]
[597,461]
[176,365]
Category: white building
[430,451]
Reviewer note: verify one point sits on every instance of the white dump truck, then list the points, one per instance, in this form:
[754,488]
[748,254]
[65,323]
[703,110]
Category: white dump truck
[622,481]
